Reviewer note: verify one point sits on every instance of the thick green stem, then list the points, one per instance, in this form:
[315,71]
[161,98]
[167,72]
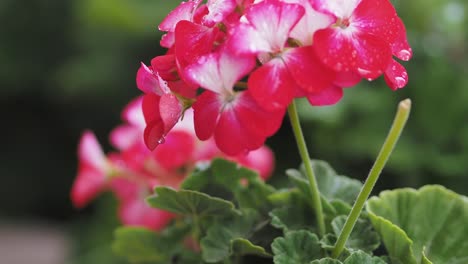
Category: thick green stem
[397,127]
[316,202]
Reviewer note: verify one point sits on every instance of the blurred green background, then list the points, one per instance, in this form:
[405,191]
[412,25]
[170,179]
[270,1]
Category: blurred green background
[66,66]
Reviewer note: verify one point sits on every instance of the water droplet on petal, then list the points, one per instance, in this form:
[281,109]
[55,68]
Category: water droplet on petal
[400,82]
[404,54]
[161,140]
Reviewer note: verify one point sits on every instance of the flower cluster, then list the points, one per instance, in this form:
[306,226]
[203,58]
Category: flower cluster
[133,171]
[240,63]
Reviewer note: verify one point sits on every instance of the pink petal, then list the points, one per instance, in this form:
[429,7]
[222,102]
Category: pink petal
[259,121]
[271,21]
[328,96]
[148,81]
[176,151]
[218,72]
[335,49]
[205,113]
[124,136]
[133,113]
[90,152]
[261,160]
[360,52]
[396,76]
[230,135]
[182,12]
[339,8]
[347,79]
[171,109]
[272,86]
[376,17]
[89,182]
[308,72]
[218,10]
[135,212]
[309,23]
[400,47]
[150,108]
[192,41]
[153,134]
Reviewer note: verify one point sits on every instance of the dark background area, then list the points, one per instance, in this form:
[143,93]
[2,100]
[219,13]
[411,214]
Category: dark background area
[66,66]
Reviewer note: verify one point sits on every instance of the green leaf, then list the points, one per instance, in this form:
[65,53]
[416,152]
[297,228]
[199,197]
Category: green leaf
[242,246]
[359,257]
[220,172]
[255,196]
[363,237]
[428,224]
[140,245]
[229,237]
[326,261]
[295,216]
[296,247]
[244,184]
[192,203]
[331,185]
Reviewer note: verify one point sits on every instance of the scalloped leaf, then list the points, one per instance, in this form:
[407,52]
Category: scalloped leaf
[242,183]
[331,185]
[140,245]
[360,257]
[429,224]
[363,237]
[295,216]
[326,261]
[296,247]
[242,247]
[229,237]
[192,203]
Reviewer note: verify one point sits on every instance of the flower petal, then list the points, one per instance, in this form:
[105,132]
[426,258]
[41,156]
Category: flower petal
[205,113]
[328,96]
[272,86]
[396,76]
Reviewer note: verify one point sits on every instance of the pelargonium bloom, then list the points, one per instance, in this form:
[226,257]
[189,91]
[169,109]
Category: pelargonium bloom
[365,35]
[93,169]
[286,71]
[235,120]
[133,171]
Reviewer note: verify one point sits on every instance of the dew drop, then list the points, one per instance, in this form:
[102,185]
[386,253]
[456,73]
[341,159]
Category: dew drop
[400,82]
[161,140]
[404,54]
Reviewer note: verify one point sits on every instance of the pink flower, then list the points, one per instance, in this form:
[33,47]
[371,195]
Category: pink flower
[235,120]
[161,114]
[133,209]
[93,169]
[286,71]
[365,35]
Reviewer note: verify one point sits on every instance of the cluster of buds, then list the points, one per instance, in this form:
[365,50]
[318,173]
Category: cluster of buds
[133,171]
[240,63]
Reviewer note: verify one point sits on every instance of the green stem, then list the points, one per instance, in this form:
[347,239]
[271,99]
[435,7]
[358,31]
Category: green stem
[316,202]
[397,127]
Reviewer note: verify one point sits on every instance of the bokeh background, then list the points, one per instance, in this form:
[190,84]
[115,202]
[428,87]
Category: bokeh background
[66,66]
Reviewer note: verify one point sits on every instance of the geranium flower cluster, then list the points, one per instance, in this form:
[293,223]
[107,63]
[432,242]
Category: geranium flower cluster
[240,63]
[133,171]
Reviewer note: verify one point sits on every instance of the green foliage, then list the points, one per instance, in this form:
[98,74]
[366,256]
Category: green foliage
[331,185]
[296,247]
[244,184]
[429,224]
[363,237]
[190,203]
[229,237]
[228,215]
[140,245]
